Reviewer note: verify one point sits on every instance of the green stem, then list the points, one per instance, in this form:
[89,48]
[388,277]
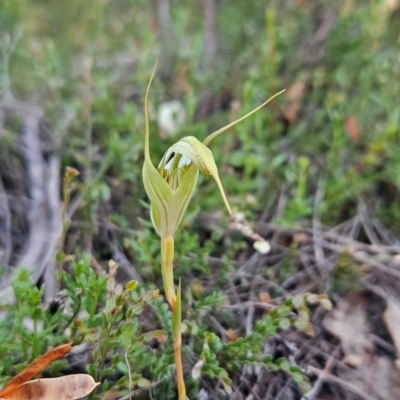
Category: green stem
[174,300]
[35,350]
[167,258]
[176,329]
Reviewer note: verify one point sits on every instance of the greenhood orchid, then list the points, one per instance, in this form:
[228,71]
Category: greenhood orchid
[170,188]
[171,185]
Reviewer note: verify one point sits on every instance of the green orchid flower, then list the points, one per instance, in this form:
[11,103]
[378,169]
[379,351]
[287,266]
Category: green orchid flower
[170,188]
[171,185]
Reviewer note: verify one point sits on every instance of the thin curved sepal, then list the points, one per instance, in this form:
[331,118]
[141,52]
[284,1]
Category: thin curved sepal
[211,137]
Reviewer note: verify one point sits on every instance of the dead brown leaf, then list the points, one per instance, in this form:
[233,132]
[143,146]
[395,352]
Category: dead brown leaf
[35,367]
[265,297]
[68,387]
[355,321]
[231,335]
[351,128]
[348,322]
[300,238]
[293,96]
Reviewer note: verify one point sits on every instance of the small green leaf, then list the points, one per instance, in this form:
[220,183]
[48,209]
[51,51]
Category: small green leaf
[160,336]
[273,313]
[116,359]
[37,313]
[113,344]
[131,285]
[107,371]
[284,323]
[143,382]
[148,336]
[226,383]
[105,386]
[298,377]
[267,359]
[136,309]
[283,311]
[300,324]
[298,301]
[122,381]
[60,256]
[120,301]
[148,295]
[90,304]
[283,364]
[309,329]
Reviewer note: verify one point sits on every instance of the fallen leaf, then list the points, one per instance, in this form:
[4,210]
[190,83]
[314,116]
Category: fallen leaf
[300,238]
[69,387]
[351,128]
[262,246]
[196,371]
[265,297]
[355,321]
[231,335]
[348,322]
[353,360]
[34,368]
[295,91]
[293,96]
[111,395]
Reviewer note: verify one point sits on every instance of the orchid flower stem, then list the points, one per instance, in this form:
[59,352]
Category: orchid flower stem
[177,334]
[167,258]
[174,300]
[170,187]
